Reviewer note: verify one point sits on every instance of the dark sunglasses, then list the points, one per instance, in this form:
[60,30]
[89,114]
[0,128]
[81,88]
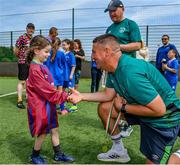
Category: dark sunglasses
[164,38]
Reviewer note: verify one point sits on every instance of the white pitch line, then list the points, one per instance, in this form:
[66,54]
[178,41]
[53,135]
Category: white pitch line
[8,94]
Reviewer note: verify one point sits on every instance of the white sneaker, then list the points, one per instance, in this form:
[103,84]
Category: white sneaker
[125,132]
[114,156]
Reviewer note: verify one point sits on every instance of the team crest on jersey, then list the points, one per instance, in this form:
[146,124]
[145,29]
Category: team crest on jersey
[122,29]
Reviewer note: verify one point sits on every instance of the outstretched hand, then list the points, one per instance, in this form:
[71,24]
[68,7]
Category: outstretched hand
[75,96]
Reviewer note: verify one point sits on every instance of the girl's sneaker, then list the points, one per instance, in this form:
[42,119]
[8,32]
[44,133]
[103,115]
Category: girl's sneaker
[38,160]
[61,157]
[73,108]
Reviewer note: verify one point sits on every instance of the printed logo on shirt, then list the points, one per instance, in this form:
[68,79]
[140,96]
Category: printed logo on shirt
[122,30]
[155,157]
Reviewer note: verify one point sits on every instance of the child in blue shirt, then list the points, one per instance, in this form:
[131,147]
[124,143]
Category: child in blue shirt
[171,69]
[70,64]
[56,64]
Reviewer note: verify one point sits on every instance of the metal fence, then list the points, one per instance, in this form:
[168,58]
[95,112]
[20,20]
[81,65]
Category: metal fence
[85,24]
[150,34]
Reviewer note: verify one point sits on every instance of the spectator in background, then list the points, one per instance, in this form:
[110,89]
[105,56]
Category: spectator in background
[80,56]
[55,64]
[162,52]
[126,30]
[95,76]
[69,69]
[171,69]
[53,33]
[22,45]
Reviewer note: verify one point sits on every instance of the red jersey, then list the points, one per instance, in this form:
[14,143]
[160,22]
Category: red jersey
[42,100]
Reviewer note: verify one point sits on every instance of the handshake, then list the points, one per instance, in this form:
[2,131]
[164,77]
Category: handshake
[74,96]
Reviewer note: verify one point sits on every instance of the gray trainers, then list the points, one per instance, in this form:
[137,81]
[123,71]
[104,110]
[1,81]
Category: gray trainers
[114,156]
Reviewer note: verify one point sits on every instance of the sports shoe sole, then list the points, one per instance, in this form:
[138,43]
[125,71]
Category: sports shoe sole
[115,160]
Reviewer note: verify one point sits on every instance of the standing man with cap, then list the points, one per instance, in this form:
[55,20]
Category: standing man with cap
[22,44]
[129,39]
[126,30]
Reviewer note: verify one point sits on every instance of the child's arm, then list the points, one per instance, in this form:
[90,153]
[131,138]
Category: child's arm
[81,55]
[18,45]
[73,66]
[172,70]
[72,72]
[46,90]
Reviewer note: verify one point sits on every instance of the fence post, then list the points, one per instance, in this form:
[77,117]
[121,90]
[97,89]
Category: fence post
[72,23]
[40,32]
[147,35]
[12,42]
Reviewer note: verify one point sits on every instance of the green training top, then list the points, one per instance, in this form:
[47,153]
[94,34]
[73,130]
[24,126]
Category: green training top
[127,31]
[140,82]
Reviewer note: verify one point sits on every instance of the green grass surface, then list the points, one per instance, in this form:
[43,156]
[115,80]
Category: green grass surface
[81,133]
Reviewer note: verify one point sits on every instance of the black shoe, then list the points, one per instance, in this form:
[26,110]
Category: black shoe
[20,105]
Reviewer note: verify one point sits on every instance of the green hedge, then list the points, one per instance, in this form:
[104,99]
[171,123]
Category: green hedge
[6,55]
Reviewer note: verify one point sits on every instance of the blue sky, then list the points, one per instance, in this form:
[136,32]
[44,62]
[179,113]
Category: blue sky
[83,18]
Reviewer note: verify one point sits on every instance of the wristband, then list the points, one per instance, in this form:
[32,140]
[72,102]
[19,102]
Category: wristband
[123,108]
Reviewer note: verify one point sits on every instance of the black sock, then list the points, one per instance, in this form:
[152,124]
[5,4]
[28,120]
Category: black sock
[57,149]
[35,153]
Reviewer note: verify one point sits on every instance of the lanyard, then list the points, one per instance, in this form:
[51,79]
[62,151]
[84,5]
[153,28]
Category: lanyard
[109,117]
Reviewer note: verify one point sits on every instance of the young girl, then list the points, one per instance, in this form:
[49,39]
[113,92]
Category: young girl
[171,69]
[56,64]
[80,56]
[42,100]
[70,65]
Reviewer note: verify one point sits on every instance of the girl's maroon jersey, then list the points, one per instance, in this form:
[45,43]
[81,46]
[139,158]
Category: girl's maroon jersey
[42,100]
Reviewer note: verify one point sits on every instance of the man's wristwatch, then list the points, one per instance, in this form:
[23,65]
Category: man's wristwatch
[123,108]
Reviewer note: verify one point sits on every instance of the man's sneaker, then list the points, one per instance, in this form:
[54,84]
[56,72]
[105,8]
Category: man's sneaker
[114,156]
[20,105]
[63,158]
[38,160]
